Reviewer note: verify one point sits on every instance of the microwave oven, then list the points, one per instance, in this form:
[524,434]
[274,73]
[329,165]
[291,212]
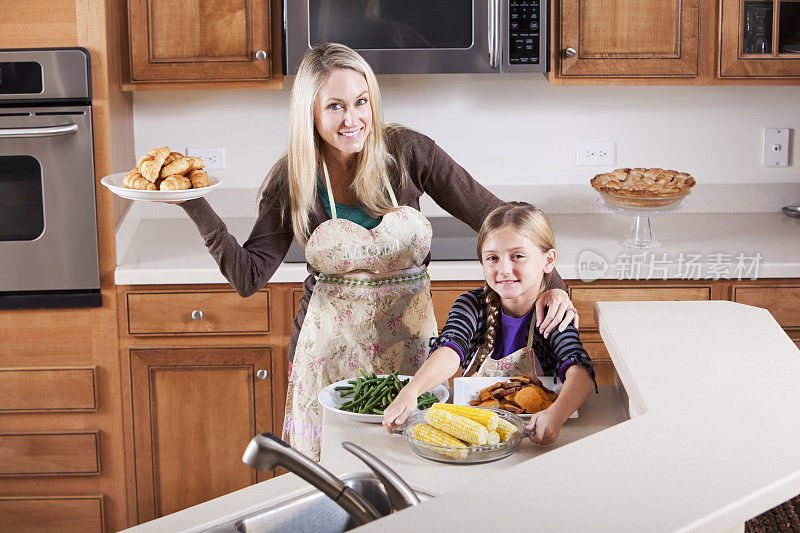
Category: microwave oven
[421,36]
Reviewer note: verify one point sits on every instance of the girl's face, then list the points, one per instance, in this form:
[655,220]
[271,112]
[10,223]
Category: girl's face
[514,266]
[342,112]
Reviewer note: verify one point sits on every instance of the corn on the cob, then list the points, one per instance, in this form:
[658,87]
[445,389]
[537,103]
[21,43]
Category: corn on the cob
[431,435]
[481,416]
[506,430]
[457,426]
[494,438]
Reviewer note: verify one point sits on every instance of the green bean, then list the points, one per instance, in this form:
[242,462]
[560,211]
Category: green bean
[371,394]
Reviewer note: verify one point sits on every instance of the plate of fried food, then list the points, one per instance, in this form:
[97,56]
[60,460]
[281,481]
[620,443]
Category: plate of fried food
[163,176]
[521,395]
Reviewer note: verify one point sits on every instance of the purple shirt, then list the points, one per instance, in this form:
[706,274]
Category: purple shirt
[512,335]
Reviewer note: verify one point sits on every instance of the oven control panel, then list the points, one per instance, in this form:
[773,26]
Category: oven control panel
[524,25]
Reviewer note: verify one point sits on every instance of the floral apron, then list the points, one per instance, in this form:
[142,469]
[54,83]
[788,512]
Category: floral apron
[514,364]
[371,308]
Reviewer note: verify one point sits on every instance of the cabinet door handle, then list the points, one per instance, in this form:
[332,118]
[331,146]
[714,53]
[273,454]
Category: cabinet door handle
[261,55]
[570,52]
[262,374]
[197,314]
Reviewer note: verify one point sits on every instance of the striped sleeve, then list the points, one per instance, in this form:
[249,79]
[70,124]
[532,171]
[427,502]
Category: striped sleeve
[465,325]
[568,350]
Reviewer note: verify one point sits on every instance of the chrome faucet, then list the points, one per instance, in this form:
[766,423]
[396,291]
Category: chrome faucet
[266,451]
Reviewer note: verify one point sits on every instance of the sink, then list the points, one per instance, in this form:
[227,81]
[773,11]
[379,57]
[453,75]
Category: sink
[312,511]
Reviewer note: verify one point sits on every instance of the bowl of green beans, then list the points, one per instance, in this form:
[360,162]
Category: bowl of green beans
[364,397]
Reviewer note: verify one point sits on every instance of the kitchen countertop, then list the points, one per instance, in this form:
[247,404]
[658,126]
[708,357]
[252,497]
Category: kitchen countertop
[693,246]
[714,442]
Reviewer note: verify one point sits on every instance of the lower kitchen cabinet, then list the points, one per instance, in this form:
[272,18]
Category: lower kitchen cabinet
[194,411]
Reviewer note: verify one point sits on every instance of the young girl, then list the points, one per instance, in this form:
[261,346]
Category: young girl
[491,331]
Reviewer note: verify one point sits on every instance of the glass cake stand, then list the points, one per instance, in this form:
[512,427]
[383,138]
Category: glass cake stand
[640,235]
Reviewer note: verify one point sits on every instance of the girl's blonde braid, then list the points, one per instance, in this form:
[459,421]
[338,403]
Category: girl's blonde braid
[492,318]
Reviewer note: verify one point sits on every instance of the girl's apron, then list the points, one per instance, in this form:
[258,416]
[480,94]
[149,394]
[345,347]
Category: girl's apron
[514,364]
[371,308]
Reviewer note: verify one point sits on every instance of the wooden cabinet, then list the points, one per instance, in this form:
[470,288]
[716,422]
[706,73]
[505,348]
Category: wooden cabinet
[204,370]
[204,43]
[195,410]
[759,39]
[445,293]
[584,296]
[220,312]
[620,38]
[782,301]
[675,42]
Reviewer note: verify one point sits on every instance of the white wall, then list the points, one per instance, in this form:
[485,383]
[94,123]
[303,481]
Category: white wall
[505,129]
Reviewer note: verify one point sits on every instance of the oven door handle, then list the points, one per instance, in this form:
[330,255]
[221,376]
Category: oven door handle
[49,131]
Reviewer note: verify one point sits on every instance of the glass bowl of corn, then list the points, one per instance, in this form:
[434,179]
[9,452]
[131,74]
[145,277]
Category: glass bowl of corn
[460,434]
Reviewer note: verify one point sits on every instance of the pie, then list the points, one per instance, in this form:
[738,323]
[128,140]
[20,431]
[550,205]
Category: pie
[644,186]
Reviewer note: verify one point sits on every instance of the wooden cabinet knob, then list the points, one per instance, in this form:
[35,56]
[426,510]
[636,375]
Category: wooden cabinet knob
[570,52]
[261,55]
[197,314]
[262,374]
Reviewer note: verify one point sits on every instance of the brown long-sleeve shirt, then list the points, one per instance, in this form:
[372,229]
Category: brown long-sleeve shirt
[248,267]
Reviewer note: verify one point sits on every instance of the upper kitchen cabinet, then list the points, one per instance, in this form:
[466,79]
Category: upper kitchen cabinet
[626,39]
[760,39]
[204,44]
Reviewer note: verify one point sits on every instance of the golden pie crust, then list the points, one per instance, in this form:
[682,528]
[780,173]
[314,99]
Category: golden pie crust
[644,183]
[643,187]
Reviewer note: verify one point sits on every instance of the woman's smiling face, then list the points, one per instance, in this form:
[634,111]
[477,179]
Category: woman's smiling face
[513,265]
[342,112]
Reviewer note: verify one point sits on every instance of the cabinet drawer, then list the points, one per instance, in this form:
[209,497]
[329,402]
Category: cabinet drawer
[197,313]
[33,390]
[583,298]
[44,514]
[444,298]
[56,453]
[782,302]
[603,367]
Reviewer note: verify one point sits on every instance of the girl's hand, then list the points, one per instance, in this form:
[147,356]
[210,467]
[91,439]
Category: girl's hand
[560,311]
[400,409]
[547,425]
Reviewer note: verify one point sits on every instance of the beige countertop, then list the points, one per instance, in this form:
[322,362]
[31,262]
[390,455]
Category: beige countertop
[713,445]
[693,246]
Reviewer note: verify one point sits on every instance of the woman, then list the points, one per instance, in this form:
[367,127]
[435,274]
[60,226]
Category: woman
[348,189]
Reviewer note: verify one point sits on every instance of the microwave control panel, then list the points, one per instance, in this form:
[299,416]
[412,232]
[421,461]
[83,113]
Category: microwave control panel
[524,31]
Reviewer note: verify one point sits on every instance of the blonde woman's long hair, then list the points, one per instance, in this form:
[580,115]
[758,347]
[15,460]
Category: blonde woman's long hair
[298,167]
[529,222]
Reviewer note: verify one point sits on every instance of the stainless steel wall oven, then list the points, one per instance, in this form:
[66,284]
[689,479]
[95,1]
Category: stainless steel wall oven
[424,36]
[48,221]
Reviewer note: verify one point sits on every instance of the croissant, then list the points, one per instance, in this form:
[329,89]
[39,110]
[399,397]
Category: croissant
[199,178]
[151,164]
[172,157]
[135,180]
[175,183]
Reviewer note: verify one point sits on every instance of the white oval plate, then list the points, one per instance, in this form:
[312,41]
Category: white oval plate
[114,184]
[331,400]
[466,389]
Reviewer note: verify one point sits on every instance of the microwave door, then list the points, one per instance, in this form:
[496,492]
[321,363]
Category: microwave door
[408,37]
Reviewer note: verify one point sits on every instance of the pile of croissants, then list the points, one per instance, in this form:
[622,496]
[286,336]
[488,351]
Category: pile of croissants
[163,170]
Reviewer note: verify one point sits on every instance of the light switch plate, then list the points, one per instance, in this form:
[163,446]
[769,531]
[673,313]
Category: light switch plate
[776,147]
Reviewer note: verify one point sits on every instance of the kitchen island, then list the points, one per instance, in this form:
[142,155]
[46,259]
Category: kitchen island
[714,386]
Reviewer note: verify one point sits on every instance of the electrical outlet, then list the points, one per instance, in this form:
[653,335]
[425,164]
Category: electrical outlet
[776,147]
[595,154]
[214,157]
